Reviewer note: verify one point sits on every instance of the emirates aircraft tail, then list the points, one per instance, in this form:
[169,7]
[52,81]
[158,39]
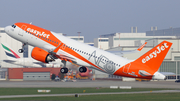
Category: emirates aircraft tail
[10,53]
[148,64]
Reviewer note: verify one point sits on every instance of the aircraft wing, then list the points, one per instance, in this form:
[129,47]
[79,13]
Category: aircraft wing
[128,51]
[62,55]
[9,61]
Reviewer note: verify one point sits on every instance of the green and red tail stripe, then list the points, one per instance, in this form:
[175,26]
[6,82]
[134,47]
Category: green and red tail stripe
[10,52]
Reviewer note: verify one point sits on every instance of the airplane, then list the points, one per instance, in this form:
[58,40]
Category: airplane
[49,46]
[14,58]
[121,53]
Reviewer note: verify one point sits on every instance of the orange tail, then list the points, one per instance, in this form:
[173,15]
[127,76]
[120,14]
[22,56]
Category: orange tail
[155,56]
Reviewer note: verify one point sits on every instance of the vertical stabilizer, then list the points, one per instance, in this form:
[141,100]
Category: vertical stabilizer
[155,56]
[9,52]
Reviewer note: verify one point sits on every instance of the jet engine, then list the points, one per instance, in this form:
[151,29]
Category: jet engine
[41,55]
[82,69]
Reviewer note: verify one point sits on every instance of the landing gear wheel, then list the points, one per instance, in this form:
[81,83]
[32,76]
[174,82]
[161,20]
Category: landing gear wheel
[64,70]
[20,50]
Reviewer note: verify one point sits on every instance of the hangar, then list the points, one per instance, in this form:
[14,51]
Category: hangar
[20,74]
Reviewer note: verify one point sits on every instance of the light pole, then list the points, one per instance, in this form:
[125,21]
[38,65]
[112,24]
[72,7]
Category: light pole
[79,35]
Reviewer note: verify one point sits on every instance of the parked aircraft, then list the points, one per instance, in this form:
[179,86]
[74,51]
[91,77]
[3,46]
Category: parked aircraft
[50,46]
[13,58]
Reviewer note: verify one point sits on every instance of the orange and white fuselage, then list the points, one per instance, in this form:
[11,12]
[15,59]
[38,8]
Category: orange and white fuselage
[84,55]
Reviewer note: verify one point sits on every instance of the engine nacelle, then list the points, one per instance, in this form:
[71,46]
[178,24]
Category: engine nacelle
[82,69]
[41,55]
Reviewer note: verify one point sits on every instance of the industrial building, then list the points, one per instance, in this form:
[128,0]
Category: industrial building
[131,41]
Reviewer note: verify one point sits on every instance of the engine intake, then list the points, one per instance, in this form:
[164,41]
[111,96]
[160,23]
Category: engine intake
[41,55]
[82,69]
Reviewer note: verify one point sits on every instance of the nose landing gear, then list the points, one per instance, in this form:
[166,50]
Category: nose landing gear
[22,50]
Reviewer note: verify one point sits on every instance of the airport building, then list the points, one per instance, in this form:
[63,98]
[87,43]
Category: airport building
[131,41]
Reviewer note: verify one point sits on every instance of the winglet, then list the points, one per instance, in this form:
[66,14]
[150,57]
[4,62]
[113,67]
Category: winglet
[141,47]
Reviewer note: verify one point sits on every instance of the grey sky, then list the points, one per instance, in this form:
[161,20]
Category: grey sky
[92,17]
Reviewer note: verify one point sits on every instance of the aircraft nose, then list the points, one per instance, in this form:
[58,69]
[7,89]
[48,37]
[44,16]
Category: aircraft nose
[6,29]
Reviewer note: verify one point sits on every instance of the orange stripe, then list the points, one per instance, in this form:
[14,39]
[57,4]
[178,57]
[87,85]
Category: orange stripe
[52,38]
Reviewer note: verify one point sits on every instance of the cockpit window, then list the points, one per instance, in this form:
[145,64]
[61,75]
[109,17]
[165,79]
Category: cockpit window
[14,26]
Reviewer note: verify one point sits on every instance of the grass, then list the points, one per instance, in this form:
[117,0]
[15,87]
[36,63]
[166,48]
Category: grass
[115,97]
[30,91]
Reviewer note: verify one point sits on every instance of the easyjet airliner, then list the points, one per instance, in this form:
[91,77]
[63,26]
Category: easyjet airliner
[50,46]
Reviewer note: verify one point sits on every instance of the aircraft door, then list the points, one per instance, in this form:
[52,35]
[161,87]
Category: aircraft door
[126,68]
[22,30]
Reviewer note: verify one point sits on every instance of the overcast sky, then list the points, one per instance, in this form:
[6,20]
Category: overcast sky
[92,17]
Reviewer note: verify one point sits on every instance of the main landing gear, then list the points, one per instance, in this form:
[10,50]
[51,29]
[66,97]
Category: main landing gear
[64,70]
[22,50]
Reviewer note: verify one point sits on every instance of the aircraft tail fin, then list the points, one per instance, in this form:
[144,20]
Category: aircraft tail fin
[155,56]
[9,52]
